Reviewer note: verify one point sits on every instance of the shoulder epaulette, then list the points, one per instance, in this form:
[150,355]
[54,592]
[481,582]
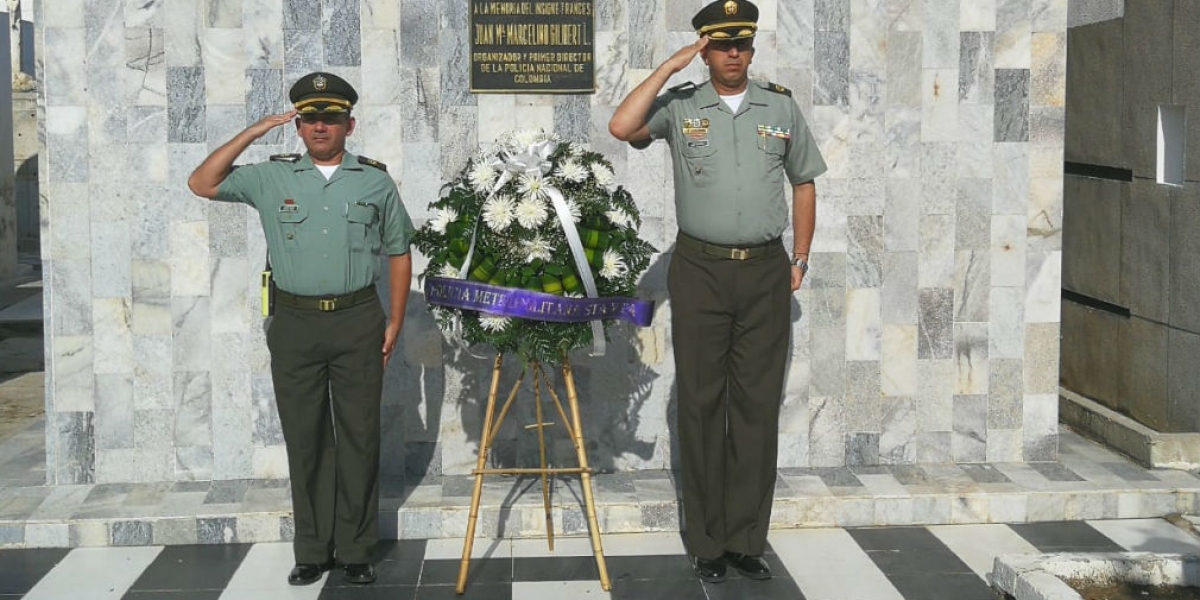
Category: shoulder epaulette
[290,157]
[775,87]
[683,87]
[372,162]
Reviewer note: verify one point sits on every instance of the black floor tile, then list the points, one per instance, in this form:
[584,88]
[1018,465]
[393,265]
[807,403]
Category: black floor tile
[1129,472]
[387,572]
[1054,471]
[664,568]
[956,586]
[372,591]
[481,591]
[172,595]
[193,567]
[640,589]
[400,550]
[894,538]
[556,568]
[22,568]
[983,473]
[482,571]
[1065,536]
[736,588]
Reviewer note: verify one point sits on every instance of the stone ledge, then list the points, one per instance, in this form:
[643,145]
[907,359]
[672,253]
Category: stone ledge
[418,518]
[1040,577]
[1149,447]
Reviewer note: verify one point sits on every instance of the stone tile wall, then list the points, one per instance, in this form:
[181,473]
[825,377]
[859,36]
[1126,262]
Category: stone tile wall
[927,331]
[8,202]
[1131,336]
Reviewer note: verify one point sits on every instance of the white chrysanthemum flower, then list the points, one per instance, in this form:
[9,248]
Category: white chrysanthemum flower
[571,170]
[531,212]
[499,212]
[482,175]
[523,139]
[575,151]
[603,174]
[532,186]
[536,248]
[493,323]
[448,271]
[619,217]
[614,265]
[444,217]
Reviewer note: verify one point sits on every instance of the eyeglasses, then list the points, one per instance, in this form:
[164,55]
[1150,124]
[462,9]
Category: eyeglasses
[326,118]
[742,45]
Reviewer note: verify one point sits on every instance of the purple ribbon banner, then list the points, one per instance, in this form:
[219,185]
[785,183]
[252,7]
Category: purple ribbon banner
[536,306]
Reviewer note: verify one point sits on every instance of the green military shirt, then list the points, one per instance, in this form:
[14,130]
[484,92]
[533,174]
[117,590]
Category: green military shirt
[729,169]
[324,236]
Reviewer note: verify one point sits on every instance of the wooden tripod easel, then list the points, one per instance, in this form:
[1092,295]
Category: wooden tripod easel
[574,429]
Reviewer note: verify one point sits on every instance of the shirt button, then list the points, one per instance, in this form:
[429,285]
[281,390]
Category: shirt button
[326,209]
[290,236]
[324,256]
[325,231]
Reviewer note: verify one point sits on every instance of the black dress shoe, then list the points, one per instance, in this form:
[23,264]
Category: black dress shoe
[711,570]
[306,573]
[359,573]
[751,567]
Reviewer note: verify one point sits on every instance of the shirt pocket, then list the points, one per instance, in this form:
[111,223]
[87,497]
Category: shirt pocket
[291,225]
[772,150]
[362,223]
[701,162]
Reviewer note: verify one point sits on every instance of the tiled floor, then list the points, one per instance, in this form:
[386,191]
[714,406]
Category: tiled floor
[948,562]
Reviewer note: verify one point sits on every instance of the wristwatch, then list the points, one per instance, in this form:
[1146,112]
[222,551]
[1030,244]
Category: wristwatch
[803,264]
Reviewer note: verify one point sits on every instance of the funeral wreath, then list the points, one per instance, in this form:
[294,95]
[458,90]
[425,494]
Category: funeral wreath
[533,249]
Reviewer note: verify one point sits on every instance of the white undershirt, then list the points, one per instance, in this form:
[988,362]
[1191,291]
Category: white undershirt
[326,170]
[735,101]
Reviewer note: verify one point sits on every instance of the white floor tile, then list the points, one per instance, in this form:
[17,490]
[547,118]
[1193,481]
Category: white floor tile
[1148,535]
[557,590]
[979,545]
[94,573]
[828,565]
[264,571]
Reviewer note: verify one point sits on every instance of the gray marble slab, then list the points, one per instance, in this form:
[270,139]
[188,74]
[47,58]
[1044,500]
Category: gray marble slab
[1012,105]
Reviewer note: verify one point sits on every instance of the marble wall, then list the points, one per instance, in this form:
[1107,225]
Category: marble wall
[927,330]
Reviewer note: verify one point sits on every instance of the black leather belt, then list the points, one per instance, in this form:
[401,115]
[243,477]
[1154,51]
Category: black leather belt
[325,303]
[729,252]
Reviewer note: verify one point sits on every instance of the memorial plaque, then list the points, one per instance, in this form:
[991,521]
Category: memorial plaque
[533,47]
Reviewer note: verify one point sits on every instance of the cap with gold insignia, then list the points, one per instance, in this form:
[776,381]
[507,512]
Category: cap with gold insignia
[727,20]
[322,93]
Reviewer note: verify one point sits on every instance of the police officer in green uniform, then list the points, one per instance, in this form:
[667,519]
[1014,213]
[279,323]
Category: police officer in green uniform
[327,215]
[732,142]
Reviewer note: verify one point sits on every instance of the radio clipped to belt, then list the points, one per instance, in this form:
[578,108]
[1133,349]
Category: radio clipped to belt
[268,291]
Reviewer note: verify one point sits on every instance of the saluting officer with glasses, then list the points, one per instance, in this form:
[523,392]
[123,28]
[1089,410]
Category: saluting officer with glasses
[328,217]
[733,143]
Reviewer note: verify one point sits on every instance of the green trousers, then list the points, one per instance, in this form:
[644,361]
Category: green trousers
[730,323]
[328,374]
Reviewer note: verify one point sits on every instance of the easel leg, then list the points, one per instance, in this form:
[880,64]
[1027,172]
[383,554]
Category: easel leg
[541,432]
[586,476]
[484,446]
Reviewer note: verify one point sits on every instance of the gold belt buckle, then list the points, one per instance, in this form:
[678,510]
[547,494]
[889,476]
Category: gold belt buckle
[327,304]
[739,253]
